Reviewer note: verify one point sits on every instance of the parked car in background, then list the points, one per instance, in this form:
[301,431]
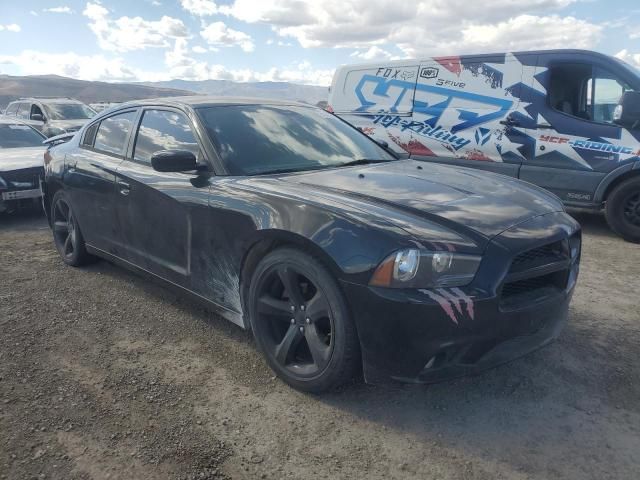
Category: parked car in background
[336,254]
[21,164]
[51,116]
[100,106]
[566,120]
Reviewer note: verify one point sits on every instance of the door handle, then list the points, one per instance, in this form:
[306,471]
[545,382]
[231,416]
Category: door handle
[124,188]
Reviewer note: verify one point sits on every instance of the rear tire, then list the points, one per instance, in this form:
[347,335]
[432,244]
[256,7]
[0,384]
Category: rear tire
[66,233]
[623,210]
[301,322]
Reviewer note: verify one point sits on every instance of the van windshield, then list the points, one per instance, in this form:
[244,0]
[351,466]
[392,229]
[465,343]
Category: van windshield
[261,139]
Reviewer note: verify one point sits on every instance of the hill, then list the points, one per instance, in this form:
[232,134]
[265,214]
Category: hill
[226,88]
[13,87]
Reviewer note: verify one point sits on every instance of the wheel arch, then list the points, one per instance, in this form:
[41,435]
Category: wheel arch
[269,240]
[615,178]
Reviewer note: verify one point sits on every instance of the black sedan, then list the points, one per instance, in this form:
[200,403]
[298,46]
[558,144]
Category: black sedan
[21,165]
[337,255]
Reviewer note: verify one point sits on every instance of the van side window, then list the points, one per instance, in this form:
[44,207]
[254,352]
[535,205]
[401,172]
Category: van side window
[113,132]
[603,93]
[568,89]
[585,92]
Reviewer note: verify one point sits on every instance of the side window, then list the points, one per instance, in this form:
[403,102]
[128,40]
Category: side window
[112,133]
[603,93]
[163,130]
[24,111]
[35,110]
[568,89]
[12,109]
[90,135]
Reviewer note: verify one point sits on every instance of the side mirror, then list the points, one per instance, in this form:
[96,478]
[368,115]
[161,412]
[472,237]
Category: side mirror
[38,117]
[627,112]
[174,161]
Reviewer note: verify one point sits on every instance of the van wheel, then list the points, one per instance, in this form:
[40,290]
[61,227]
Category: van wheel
[623,210]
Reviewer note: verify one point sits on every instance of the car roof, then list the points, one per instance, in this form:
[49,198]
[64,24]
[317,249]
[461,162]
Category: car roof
[48,100]
[199,101]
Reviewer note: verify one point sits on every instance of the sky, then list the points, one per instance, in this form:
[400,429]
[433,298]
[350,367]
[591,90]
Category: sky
[299,41]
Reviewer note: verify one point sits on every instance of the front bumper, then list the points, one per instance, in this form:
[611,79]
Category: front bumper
[426,336]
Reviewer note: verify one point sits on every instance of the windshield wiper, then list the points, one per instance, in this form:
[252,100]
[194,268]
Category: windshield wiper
[363,161]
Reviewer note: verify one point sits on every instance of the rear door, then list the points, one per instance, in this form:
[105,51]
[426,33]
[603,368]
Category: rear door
[91,178]
[461,108]
[155,208]
[378,99]
[574,141]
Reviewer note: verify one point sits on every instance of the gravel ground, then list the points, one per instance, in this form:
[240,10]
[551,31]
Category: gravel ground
[104,375]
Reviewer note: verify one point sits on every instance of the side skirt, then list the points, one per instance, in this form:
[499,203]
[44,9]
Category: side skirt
[224,312]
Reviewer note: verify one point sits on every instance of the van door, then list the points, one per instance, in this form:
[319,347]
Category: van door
[574,140]
[460,112]
[378,99]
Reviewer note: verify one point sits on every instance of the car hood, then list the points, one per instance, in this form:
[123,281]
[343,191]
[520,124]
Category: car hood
[19,158]
[466,200]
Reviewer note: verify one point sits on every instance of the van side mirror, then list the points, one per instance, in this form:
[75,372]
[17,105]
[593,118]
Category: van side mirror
[174,161]
[38,117]
[627,112]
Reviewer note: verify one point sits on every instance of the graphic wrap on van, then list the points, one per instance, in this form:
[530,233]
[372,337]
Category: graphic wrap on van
[489,108]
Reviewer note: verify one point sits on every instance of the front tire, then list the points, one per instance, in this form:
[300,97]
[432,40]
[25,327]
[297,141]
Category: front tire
[623,210]
[301,322]
[66,232]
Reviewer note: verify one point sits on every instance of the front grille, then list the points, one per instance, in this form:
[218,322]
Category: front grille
[23,179]
[544,255]
[536,274]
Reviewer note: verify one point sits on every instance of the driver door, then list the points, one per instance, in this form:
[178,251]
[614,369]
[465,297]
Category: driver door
[156,209]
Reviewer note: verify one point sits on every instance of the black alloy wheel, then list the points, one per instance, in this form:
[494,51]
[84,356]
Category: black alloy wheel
[301,323]
[66,233]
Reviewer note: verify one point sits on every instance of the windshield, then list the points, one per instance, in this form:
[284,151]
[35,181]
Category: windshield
[14,135]
[69,111]
[259,139]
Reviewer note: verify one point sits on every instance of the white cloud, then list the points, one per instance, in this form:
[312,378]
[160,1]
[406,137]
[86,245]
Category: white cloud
[373,53]
[218,34]
[630,58]
[420,27]
[200,7]
[12,27]
[199,49]
[61,9]
[86,67]
[178,64]
[131,33]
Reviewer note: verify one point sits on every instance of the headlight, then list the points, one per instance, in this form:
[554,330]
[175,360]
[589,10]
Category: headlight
[412,268]
[574,247]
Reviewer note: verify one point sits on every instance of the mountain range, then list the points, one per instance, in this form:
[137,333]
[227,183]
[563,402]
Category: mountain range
[14,87]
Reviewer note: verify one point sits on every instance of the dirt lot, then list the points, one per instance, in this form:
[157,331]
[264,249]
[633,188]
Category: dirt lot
[103,375]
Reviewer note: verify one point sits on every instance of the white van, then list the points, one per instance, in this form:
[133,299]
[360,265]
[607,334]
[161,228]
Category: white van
[567,120]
